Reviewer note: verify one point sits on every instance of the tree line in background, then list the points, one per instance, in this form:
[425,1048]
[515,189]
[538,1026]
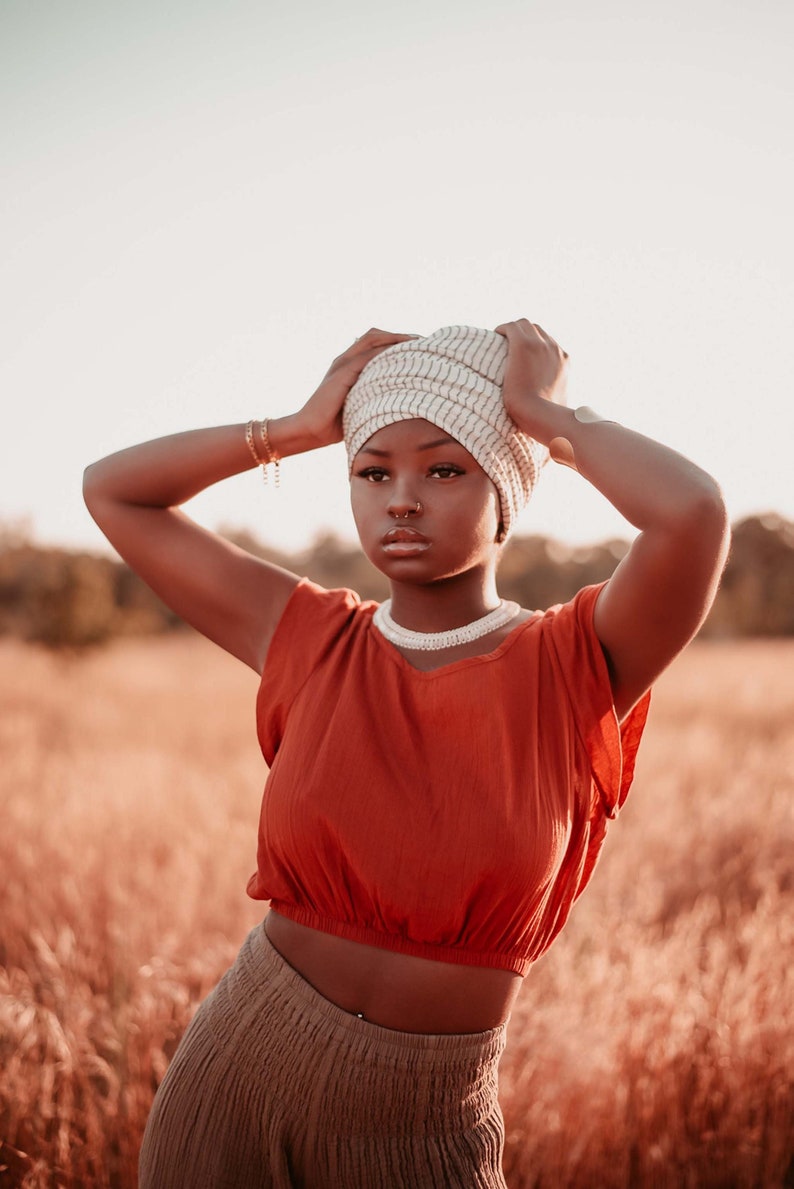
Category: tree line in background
[63,598]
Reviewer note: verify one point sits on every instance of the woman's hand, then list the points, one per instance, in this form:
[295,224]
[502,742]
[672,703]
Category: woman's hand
[321,416]
[537,370]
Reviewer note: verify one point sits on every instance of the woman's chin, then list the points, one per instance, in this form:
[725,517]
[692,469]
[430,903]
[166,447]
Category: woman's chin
[414,562]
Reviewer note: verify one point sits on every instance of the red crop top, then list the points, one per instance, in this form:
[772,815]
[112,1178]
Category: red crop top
[453,814]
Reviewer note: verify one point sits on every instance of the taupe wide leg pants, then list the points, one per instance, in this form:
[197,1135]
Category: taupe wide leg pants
[273,1086]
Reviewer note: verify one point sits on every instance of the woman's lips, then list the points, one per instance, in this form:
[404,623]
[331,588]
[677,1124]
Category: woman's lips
[404,541]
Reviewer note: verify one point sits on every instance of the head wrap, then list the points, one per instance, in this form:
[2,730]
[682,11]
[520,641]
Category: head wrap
[452,378]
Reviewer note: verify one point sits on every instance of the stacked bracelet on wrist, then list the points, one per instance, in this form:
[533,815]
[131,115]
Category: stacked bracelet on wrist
[269,453]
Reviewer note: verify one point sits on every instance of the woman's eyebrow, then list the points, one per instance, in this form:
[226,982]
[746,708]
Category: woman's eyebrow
[426,446]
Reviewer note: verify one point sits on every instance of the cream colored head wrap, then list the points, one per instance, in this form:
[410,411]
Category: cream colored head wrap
[452,378]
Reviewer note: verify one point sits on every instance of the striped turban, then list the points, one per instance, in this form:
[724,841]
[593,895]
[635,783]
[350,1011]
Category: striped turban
[452,378]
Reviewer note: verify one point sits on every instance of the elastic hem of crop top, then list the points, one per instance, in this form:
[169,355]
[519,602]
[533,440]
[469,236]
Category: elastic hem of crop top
[515,964]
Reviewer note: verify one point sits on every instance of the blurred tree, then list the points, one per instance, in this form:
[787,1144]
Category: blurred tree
[331,563]
[756,596]
[75,599]
[64,599]
[538,572]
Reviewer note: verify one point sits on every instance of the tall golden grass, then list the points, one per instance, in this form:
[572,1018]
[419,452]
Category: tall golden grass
[652,1045]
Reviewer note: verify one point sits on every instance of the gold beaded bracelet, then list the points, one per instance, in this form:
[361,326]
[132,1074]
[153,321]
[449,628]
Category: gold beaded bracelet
[270,456]
[270,452]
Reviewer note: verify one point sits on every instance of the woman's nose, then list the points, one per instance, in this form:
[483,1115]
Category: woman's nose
[403,508]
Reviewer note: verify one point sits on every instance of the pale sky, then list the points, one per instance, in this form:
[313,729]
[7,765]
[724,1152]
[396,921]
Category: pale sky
[202,204]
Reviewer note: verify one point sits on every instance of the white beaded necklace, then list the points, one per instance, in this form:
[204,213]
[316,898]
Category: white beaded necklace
[430,641]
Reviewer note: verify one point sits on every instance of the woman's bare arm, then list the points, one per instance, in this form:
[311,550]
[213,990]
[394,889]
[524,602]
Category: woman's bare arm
[663,588]
[135,495]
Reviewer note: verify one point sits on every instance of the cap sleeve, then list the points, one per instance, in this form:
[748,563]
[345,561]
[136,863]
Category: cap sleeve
[312,622]
[579,659]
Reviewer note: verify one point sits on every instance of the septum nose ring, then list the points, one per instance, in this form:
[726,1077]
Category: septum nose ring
[413,511]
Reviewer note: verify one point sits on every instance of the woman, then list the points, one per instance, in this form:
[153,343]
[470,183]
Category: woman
[441,768]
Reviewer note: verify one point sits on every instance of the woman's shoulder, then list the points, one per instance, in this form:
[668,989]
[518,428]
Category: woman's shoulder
[310,598]
[571,618]
[579,605]
[313,616]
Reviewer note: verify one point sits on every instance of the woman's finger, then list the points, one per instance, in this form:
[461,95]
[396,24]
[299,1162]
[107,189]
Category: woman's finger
[522,326]
[375,335]
[551,341]
[368,345]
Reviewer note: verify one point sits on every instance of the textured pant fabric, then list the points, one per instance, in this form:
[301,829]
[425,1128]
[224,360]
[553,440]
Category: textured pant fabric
[273,1086]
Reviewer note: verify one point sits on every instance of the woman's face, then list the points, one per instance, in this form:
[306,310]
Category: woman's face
[423,507]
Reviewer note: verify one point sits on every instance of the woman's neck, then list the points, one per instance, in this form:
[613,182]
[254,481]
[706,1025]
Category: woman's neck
[448,603]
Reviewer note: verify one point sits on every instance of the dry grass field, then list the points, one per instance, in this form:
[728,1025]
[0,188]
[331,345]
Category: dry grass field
[652,1046]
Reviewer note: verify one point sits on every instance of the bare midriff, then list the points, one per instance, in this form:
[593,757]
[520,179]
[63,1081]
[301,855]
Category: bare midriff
[395,990]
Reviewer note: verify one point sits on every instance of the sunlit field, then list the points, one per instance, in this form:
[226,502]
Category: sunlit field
[652,1046]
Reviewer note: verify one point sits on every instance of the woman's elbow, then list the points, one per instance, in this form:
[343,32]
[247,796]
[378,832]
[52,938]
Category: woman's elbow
[97,491]
[707,521]
[90,484]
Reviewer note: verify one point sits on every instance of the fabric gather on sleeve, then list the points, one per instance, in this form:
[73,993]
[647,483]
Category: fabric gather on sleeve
[611,745]
[313,620]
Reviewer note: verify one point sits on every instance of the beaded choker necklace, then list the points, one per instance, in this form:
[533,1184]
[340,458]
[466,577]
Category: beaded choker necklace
[430,641]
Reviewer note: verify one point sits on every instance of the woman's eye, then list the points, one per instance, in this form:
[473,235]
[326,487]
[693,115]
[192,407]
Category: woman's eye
[445,472]
[373,474]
